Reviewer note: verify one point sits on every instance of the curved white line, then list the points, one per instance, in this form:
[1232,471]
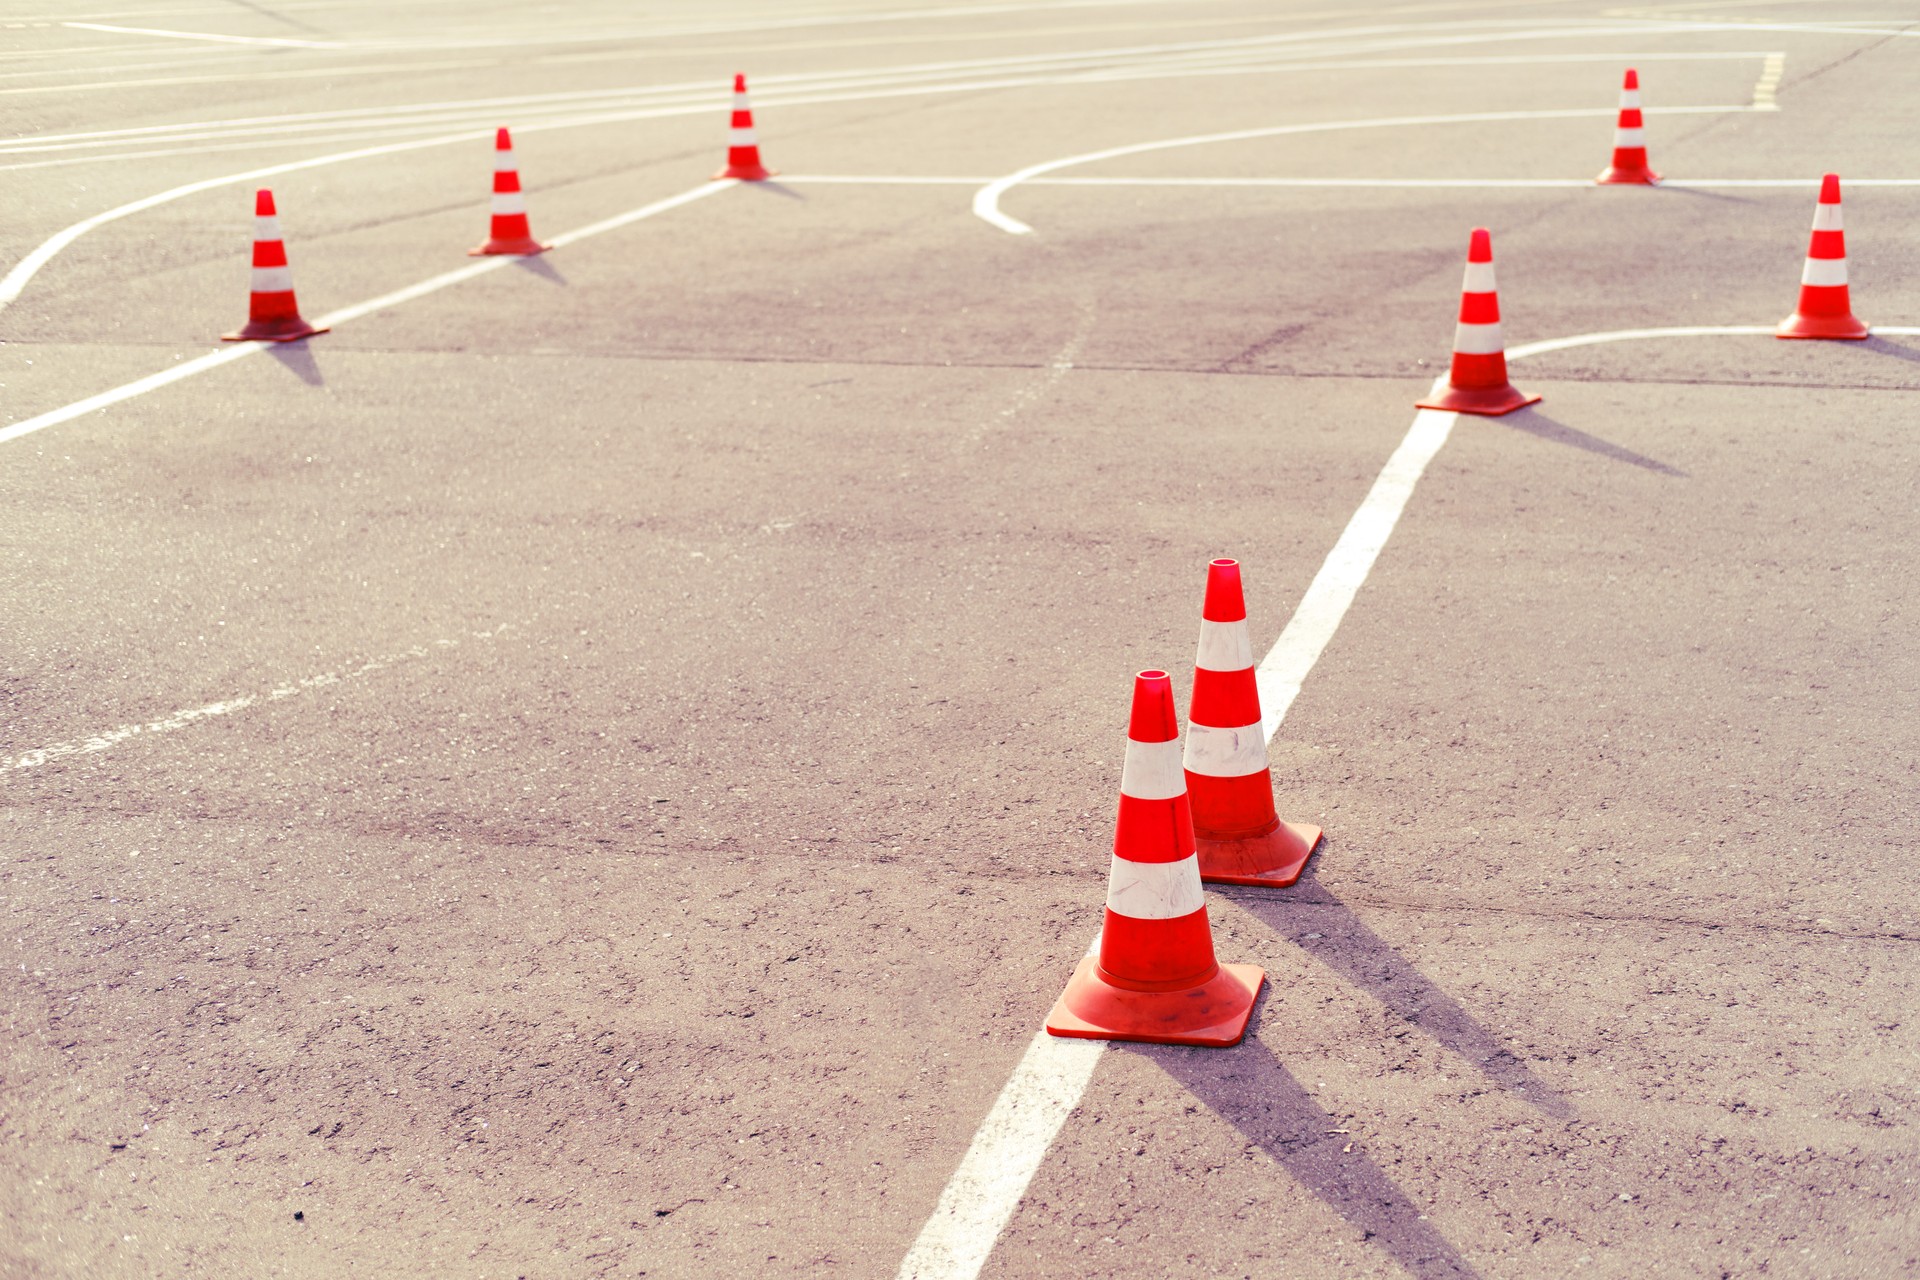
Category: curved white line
[1682,331]
[986,201]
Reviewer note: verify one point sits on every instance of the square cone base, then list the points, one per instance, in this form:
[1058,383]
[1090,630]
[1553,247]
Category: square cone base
[746,173]
[1489,402]
[1841,328]
[1212,1015]
[1275,859]
[1612,177]
[508,248]
[291,329]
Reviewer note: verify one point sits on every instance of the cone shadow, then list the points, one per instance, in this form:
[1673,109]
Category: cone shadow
[1327,929]
[1535,423]
[778,188]
[1248,1088]
[1703,193]
[298,357]
[537,264]
[1899,351]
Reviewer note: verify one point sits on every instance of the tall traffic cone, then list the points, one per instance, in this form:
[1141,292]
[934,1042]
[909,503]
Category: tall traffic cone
[1155,978]
[1629,141]
[272,313]
[1825,310]
[1239,836]
[509,233]
[743,150]
[1478,382]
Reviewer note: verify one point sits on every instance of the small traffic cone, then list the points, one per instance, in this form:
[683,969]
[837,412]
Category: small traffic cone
[1629,141]
[509,233]
[1478,382]
[743,150]
[272,313]
[1825,310]
[1155,978]
[1239,837]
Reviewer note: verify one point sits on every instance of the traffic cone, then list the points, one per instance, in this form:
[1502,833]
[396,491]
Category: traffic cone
[1155,978]
[1629,141]
[1478,382]
[272,314]
[1825,310]
[1239,837]
[743,151]
[509,233]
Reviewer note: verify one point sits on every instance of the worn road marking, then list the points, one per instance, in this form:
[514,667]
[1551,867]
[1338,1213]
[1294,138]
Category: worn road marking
[1769,84]
[113,737]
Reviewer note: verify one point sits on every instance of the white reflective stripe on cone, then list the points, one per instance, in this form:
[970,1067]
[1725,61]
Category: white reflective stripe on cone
[272,279]
[740,102]
[1629,98]
[1826,217]
[1477,339]
[1226,753]
[503,161]
[1155,890]
[1224,646]
[266,226]
[740,138]
[1629,138]
[1152,771]
[509,202]
[1825,271]
[1479,278]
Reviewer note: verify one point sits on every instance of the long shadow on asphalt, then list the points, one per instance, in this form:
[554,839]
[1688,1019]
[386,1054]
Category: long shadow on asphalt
[539,266]
[1898,350]
[1248,1087]
[1702,193]
[778,188]
[297,357]
[1327,929]
[1535,423]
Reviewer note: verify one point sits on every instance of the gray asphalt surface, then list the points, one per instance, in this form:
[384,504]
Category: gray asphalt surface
[600,770]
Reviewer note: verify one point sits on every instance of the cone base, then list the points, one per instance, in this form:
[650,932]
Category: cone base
[1612,177]
[1212,1015]
[287,329]
[503,248]
[1845,328]
[1275,859]
[746,173]
[1491,402]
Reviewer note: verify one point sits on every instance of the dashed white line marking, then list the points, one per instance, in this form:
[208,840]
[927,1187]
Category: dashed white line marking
[108,738]
[1770,72]
[333,319]
[203,35]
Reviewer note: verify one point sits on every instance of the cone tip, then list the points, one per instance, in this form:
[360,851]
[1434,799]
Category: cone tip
[502,140]
[1830,189]
[1480,247]
[263,203]
[1632,81]
[739,82]
[1153,718]
[1225,602]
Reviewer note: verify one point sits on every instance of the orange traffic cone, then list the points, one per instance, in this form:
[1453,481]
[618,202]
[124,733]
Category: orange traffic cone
[743,150]
[509,233]
[1825,310]
[272,313]
[1629,141]
[1239,837]
[1478,382]
[1155,978]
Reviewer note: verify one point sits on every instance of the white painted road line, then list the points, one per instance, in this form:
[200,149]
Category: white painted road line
[202,35]
[333,319]
[1048,1083]
[986,201]
[1411,184]
[113,737]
